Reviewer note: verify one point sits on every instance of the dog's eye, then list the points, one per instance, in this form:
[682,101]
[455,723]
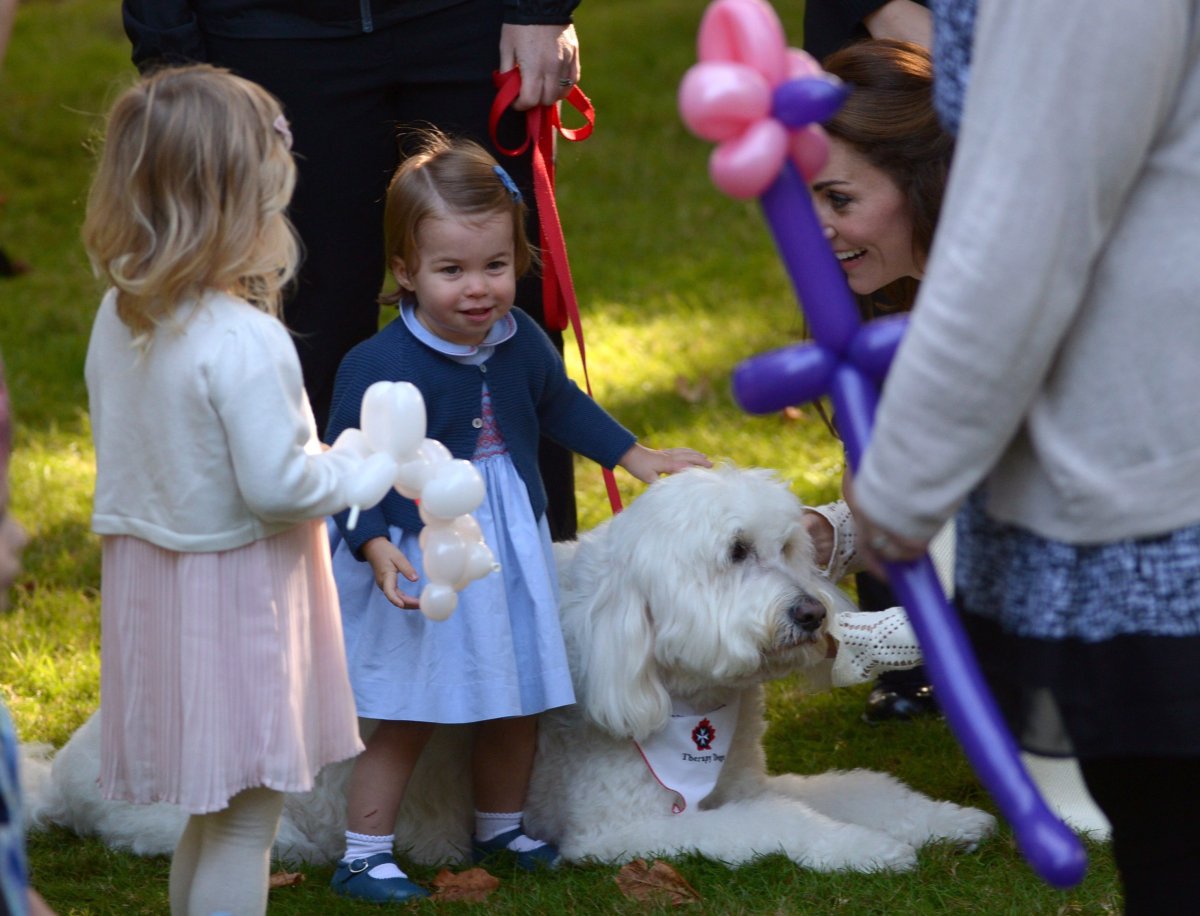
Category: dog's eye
[741,550]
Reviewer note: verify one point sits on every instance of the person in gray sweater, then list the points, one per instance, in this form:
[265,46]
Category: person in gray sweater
[1045,392]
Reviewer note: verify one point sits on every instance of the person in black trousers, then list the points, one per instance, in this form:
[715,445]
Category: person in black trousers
[352,75]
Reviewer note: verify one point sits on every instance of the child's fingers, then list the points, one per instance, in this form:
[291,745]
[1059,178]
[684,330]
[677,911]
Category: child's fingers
[689,457]
[386,580]
[681,458]
[404,568]
[394,595]
[389,583]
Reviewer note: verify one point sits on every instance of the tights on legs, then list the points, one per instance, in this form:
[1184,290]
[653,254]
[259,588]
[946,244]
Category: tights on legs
[1153,806]
[223,860]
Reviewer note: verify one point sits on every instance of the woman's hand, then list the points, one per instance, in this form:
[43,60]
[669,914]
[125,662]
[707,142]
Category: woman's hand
[821,533]
[877,545]
[902,20]
[646,464]
[548,56]
[388,562]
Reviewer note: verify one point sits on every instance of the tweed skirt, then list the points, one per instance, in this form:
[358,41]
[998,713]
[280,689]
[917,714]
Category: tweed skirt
[1090,650]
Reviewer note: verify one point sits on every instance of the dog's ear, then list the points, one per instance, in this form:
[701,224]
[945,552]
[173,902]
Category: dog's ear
[618,680]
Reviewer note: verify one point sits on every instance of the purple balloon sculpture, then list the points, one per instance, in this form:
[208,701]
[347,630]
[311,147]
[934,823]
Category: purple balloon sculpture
[763,103]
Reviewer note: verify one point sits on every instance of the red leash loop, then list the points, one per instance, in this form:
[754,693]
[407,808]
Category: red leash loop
[559,305]
[558,292]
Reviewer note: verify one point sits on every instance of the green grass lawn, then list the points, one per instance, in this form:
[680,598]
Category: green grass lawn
[676,284]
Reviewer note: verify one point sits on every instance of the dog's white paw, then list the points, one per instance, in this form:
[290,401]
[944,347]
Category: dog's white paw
[849,847]
[964,827]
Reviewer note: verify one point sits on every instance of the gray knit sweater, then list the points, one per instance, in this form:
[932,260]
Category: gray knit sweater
[1055,344]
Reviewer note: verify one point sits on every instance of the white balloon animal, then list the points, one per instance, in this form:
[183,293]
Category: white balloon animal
[392,442]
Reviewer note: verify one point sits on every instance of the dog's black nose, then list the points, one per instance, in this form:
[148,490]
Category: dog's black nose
[807,613]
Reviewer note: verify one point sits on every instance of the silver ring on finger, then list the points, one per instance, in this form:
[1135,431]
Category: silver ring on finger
[566,82]
[881,543]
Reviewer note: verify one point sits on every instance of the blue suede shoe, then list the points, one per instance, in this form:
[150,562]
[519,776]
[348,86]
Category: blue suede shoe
[351,880]
[545,856]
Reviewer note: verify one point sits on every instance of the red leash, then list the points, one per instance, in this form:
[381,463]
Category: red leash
[559,304]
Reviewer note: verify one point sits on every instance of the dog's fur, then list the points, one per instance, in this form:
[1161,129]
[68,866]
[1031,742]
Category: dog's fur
[703,586]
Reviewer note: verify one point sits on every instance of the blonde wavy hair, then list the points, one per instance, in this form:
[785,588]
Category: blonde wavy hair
[448,176]
[189,196]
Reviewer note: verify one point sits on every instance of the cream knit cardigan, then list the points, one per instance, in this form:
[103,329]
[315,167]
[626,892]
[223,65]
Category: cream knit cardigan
[206,441]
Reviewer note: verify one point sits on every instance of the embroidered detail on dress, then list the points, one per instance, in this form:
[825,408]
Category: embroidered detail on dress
[490,442]
[686,755]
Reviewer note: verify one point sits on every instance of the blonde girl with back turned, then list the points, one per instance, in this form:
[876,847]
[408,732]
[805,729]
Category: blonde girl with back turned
[493,383]
[223,678]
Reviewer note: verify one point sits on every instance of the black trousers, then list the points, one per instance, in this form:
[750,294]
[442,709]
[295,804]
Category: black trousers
[1152,804]
[349,101]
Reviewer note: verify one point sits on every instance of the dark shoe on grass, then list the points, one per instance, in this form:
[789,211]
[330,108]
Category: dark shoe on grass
[352,879]
[886,703]
[544,856]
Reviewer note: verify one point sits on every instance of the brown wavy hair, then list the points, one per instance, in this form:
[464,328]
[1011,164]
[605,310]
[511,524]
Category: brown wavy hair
[889,119]
[447,176]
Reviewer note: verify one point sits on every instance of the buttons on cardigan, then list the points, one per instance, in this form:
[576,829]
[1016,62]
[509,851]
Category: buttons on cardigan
[477,423]
[483,368]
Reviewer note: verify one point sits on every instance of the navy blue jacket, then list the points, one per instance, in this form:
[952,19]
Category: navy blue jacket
[531,396]
[173,30]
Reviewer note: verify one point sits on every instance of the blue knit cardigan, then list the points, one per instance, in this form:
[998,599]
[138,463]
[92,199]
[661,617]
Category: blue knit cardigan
[531,396]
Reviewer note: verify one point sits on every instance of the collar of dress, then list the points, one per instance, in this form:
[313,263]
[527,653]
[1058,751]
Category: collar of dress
[686,755]
[502,331]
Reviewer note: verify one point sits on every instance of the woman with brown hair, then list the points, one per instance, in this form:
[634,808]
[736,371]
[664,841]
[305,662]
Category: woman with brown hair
[878,199]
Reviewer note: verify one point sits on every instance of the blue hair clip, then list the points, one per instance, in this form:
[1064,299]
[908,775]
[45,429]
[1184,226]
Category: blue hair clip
[511,186]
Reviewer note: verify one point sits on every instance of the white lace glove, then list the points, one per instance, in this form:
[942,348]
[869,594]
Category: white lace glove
[873,641]
[869,642]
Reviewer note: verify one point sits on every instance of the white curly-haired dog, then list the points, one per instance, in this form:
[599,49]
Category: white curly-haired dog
[674,613]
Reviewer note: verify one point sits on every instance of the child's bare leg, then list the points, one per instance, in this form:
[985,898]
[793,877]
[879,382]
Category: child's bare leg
[368,871]
[501,763]
[381,774]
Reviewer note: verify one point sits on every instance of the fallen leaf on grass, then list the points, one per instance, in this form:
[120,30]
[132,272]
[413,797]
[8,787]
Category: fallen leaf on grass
[473,885]
[285,879]
[657,883]
[693,391]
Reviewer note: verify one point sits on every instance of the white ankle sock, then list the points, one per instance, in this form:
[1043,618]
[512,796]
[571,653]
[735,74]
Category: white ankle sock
[490,824]
[364,845]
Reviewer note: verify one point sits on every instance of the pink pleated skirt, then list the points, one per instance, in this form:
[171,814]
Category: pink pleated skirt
[221,671]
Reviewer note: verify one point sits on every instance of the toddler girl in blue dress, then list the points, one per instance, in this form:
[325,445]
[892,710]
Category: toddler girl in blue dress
[492,383]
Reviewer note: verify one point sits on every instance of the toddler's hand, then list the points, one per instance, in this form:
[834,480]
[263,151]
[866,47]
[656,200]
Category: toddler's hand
[646,464]
[388,562]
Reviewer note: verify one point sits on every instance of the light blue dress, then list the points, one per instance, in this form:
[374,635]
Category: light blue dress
[501,652]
